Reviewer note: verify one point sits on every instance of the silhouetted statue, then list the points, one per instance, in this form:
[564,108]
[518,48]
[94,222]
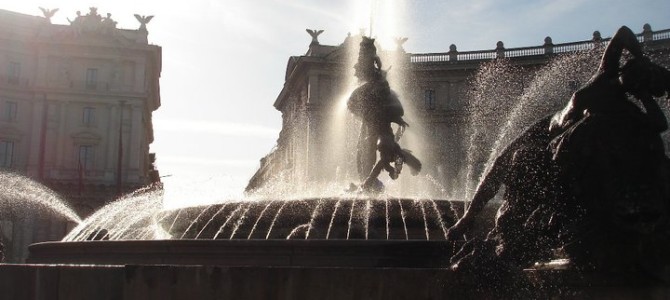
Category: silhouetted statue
[108,24]
[315,36]
[48,13]
[613,164]
[144,20]
[593,180]
[377,106]
[92,23]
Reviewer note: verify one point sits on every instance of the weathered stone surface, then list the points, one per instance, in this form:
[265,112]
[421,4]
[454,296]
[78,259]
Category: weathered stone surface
[216,282]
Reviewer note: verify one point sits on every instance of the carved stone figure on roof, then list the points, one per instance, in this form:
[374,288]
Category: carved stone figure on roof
[91,21]
[108,25]
[76,24]
[144,20]
[48,13]
[315,36]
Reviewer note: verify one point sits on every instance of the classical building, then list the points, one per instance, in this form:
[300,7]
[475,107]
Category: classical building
[76,104]
[437,87]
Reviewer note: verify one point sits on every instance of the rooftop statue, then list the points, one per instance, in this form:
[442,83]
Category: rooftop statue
[377,106]
[315,35]
[144,20]
[48,13]
[591,182]
[108,25]
[92,23]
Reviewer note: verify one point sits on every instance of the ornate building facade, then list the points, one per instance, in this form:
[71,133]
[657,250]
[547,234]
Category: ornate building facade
[436,87]
[76,104]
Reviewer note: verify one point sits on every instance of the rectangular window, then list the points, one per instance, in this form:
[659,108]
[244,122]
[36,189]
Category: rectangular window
[6,154]
[9,112]
[88,116]
[86,156]
[429,97]
[13,72]
[91,78]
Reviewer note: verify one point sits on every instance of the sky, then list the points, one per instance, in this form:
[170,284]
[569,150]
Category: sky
[224,61]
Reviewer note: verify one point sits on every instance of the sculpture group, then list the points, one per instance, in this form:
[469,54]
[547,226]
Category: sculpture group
[590,183]
[377,106]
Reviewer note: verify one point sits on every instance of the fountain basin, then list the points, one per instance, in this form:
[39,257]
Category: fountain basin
[260,253]
[313,218]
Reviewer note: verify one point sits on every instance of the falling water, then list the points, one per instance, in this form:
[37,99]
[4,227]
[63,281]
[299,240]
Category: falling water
[21,192]
[174,221]
[315,213]
[425,220]
[240,221]
[260,216]
[228,219]
[508,99]
[332,218]
[351,217]
[404,222]
[274,220]
[141,205]
[439,218]
[296,230]
[387,217]
[195,221]
[368,208]
[210,220]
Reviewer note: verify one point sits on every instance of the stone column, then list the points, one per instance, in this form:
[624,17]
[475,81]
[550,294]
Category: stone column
[35,144]
[134,149]
[112,146]
[61,136]
[312,143]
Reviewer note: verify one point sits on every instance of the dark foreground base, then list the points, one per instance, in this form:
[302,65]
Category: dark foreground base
[215,282]
[254,253]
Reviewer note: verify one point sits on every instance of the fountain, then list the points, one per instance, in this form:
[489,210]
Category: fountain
[387,231]
[363,243]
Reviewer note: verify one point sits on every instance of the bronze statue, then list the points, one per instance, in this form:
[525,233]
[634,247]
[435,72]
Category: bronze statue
[592,181]
[377,106]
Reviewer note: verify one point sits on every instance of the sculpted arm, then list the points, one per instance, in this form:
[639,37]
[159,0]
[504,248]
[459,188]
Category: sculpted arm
[624,38]
[485,192]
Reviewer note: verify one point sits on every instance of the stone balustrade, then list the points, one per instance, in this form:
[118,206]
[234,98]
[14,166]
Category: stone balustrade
[547,48]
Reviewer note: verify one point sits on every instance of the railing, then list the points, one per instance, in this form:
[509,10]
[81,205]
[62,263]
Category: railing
[430,57]
[476,55]
[574,47]
[529,51]
[661,35]
[547,49]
